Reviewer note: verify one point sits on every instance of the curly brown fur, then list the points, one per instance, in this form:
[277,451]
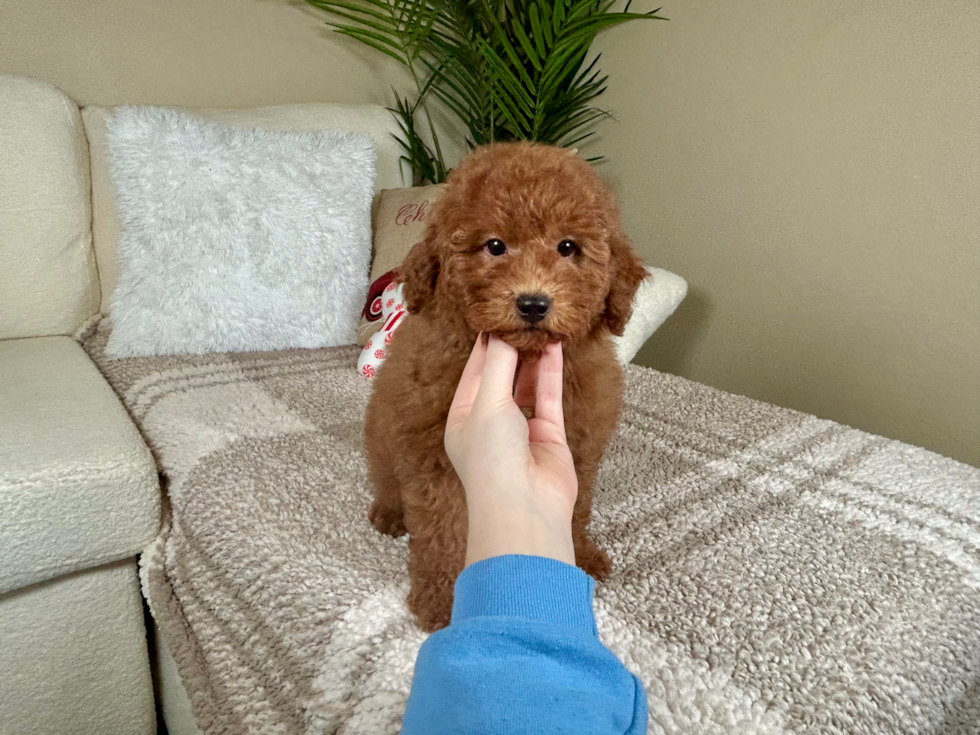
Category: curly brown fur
[532,198]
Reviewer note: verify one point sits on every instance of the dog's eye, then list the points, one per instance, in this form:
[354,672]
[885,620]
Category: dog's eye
[495,247]
[567,248]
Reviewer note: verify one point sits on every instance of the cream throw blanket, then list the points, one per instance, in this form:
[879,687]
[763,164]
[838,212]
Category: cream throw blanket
[772,572]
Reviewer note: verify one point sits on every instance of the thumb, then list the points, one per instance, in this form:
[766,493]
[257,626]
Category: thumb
[497,381]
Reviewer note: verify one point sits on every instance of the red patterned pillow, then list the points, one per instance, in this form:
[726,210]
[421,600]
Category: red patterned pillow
[400,218]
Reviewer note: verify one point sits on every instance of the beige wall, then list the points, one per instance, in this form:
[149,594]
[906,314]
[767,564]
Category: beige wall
[216,53]
[812,169]
[196,53]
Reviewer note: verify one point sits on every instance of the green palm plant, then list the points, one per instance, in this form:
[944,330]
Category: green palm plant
[507,69]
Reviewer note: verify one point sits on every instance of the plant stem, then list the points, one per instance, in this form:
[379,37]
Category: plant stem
[428,117]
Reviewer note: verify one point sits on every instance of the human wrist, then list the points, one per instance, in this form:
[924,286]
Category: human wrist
[531,532]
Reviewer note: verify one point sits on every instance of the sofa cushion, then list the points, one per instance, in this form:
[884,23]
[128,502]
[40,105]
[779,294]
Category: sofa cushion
[79,487]
[48,281]
[374,120]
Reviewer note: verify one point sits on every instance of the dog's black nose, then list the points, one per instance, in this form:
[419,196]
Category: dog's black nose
[533,307]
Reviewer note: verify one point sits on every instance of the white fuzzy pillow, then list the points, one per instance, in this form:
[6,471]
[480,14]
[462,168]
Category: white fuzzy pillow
[659,294]
[236,239]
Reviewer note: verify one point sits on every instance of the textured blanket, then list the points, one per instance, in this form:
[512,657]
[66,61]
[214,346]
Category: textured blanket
[773,572]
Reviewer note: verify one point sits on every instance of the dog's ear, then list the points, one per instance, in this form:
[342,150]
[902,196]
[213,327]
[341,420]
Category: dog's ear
[627,273]
[419,272]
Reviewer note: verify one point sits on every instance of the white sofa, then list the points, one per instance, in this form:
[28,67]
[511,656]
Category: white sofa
[80,491]
[79,488]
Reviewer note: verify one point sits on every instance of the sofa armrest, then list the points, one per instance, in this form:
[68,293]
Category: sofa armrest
[78,485]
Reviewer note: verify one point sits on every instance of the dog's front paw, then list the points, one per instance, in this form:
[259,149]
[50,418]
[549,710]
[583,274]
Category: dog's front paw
[432,612]
[593,561]
[390,521]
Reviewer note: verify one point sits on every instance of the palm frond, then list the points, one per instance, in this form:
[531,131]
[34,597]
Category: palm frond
[507,69]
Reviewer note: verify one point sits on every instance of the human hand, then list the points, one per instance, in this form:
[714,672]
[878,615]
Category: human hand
[518,473]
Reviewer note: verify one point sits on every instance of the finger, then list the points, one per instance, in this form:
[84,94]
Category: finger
[547,405]
[541,433]
[497,381]
[527,381]
[469,381]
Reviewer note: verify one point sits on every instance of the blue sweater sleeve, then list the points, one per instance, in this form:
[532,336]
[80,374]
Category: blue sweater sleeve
[522,656]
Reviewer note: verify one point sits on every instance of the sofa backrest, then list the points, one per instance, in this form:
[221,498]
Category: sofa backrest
[48,279]
[373,120]
[57,199]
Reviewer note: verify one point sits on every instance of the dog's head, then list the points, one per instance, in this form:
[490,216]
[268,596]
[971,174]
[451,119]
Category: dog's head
[525,243]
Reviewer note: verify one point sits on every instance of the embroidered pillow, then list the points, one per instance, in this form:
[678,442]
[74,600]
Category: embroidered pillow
[400,218]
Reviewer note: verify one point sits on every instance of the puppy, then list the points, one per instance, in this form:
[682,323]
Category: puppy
[526,243]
